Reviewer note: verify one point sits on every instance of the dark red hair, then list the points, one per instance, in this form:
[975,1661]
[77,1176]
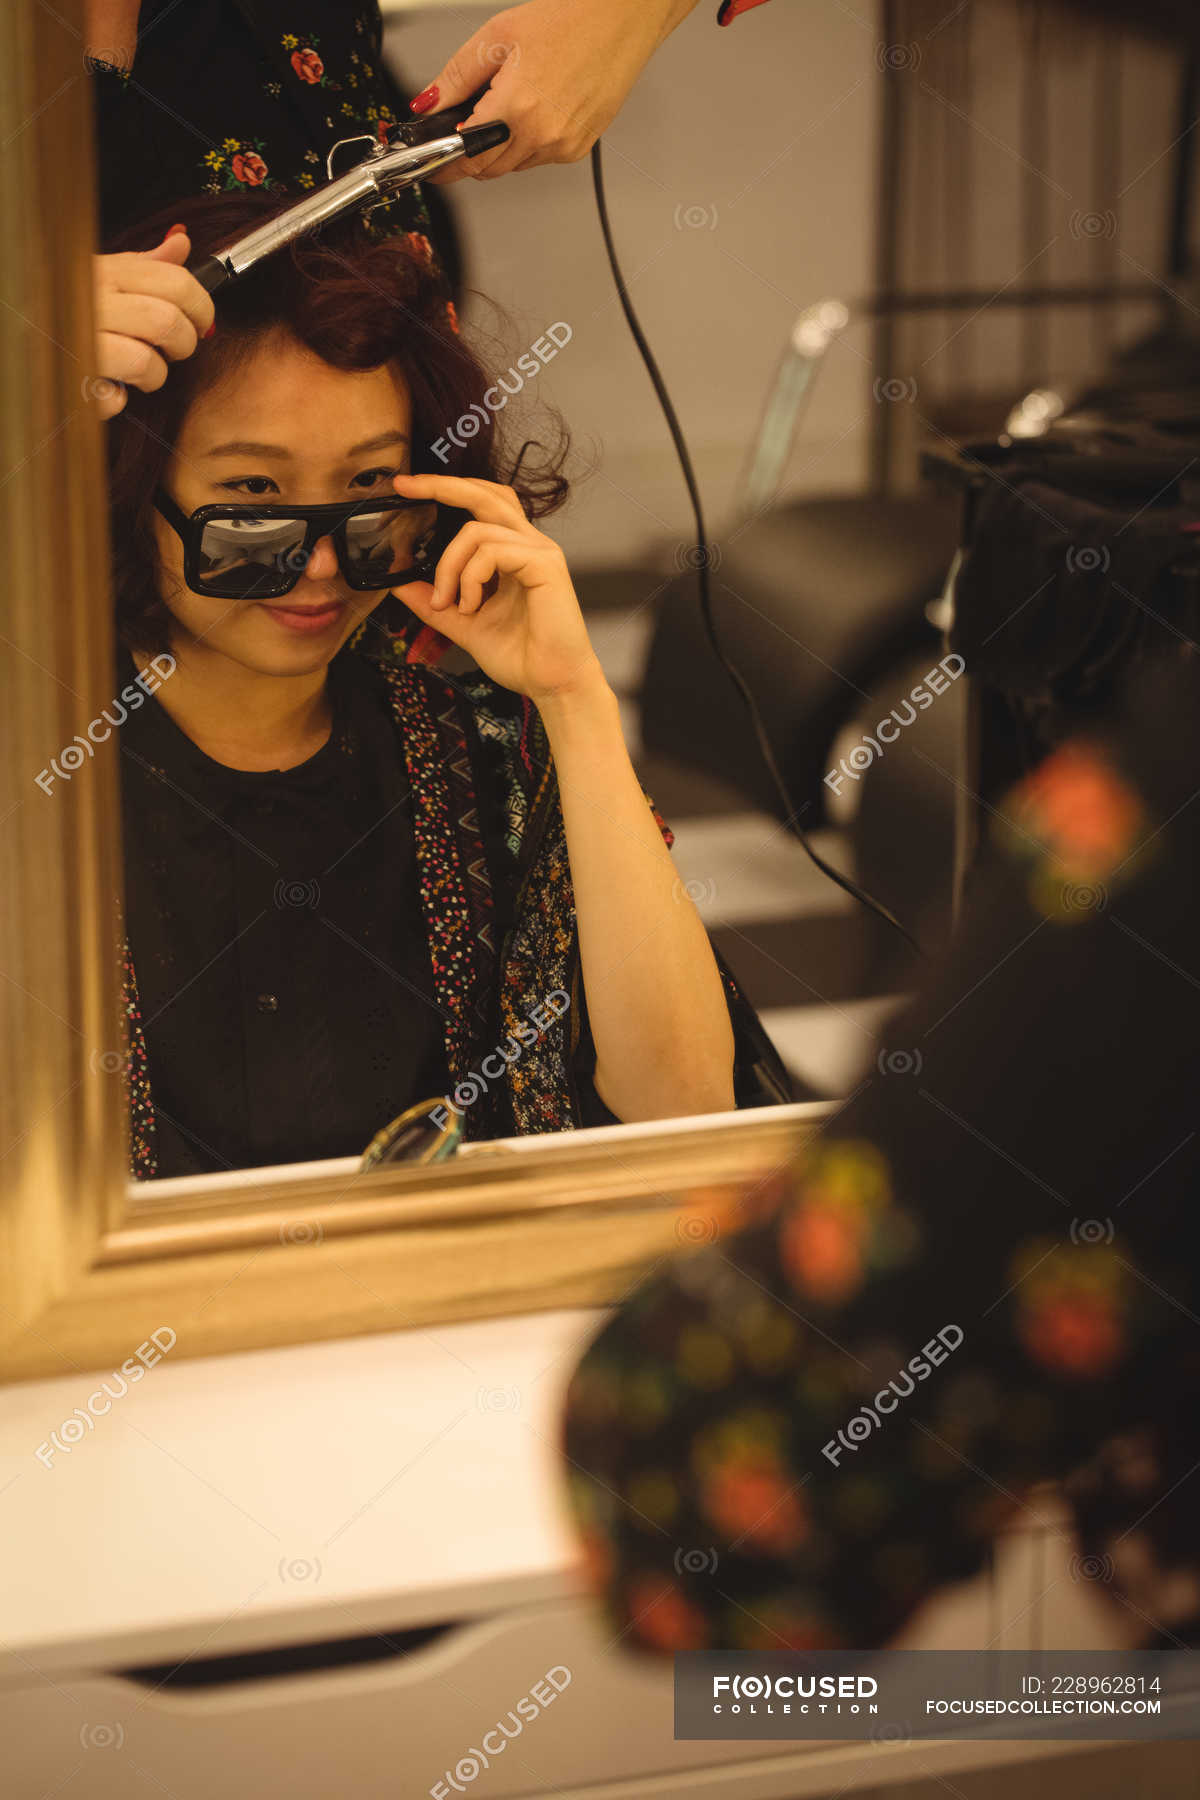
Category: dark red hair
[356,301]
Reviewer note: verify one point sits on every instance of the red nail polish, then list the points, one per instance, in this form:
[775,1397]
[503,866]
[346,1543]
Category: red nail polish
[172,229]
[425,101]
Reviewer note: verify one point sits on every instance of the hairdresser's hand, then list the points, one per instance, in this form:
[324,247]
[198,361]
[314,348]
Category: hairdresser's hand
[502,593]
[559,73]
[149,311]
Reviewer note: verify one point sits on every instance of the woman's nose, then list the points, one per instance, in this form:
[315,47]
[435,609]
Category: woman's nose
[322,561]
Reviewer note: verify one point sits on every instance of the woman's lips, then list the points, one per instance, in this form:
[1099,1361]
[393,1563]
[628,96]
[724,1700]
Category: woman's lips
[307,618]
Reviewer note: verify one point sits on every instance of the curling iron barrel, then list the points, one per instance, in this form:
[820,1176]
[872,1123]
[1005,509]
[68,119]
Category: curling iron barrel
[385,171]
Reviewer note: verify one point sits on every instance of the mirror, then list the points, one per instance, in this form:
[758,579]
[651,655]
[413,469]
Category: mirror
[386,850]
[255,1256]
[349,889]
[352,889]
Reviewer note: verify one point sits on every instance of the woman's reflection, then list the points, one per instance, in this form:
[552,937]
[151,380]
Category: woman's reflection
[354,881]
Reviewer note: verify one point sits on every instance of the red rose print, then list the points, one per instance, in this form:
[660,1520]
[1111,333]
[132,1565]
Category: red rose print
[1081,808]
[1077,1334]
[663,1618]
[420,246]
[822,1252]
[308,65]
[248,167]
[750,1503]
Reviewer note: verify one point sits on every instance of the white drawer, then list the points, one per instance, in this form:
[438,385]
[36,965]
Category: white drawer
[394,1730]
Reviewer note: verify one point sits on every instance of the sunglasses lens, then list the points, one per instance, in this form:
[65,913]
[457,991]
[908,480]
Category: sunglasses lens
[252,556]
[386,546]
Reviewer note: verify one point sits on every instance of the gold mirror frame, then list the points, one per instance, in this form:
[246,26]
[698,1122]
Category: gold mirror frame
[257,1258]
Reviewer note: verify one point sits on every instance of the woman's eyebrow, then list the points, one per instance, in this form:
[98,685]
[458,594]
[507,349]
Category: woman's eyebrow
[382,442]
[246,447]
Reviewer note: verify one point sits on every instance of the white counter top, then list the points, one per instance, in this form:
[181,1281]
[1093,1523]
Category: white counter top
[324,1490]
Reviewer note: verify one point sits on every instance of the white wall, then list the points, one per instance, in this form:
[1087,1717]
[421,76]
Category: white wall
[764,133]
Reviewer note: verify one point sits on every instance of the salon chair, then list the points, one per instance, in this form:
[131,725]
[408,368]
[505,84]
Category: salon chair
[814,603]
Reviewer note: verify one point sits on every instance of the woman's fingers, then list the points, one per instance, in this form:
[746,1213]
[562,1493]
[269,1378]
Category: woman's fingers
[110,398]
[129,272]
[504,553]
[478,574]
[149,317]
[488,501]
[129,360]
[149,311]
[418,597]
[447,578]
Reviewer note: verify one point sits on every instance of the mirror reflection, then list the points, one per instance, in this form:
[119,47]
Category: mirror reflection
[416,695]
[384,843]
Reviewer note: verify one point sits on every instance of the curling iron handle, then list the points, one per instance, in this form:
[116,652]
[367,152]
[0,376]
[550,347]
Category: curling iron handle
[478,138]
[210,273]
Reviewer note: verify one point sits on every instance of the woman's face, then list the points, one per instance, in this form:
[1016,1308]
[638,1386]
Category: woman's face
[282,426]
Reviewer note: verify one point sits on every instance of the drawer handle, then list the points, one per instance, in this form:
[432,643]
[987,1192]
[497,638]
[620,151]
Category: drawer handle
[289,1659]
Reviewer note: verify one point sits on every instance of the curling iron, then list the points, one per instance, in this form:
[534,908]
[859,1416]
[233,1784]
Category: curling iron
[411,152]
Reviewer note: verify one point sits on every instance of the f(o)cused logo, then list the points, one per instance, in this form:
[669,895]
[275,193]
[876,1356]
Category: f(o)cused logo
[894,387]
[301,1231]
[494,54]
[1094,224]
[689,557]
[99,387]
[1090,1232]
[1088,559]
[300,1568]
[1083,896]
[102,1737]
[900,1062]
[1091,1568]
[700,893]
[297,893]
[499,1399]
[695,218]
[896,57]
[696,1562]
[696,1228]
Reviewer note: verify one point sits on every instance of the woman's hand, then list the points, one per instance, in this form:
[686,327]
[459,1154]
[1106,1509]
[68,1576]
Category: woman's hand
[502,592]
[558,75]
[149,311]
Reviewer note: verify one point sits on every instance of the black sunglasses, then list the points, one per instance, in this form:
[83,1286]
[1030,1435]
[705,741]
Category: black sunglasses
[256,552]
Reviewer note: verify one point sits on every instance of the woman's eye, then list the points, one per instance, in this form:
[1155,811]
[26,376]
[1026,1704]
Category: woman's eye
[254,485]
[372,477]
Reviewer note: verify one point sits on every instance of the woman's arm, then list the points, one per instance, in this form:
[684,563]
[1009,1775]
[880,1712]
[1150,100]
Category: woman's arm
[110,31]
[664,1043]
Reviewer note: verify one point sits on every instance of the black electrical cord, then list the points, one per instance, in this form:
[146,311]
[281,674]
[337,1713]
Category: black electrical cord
[703,564]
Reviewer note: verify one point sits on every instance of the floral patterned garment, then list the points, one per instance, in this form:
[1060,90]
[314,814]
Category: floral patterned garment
[985,1275]
[244,93]
[253,93]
